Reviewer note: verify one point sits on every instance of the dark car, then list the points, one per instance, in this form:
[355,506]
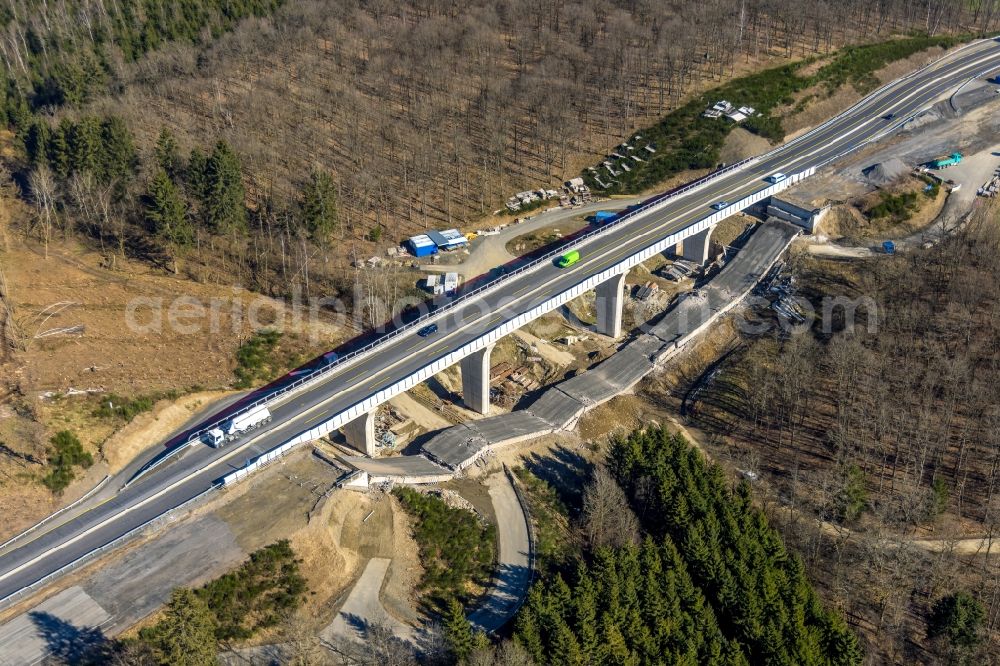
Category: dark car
[428,330]
[889,116]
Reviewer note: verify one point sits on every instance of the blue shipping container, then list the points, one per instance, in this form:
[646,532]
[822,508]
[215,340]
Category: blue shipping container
[422,246]
[889,247]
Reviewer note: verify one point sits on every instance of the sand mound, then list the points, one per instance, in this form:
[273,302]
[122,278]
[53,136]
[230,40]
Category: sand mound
[885,173]
[741,144]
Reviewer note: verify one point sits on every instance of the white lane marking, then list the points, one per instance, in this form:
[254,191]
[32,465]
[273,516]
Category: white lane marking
[889,92]
[854,130]
[596,259]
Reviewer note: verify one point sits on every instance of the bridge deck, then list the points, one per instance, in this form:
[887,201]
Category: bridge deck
[461,445]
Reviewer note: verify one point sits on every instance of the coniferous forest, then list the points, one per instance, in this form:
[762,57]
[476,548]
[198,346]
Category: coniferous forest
[710,583]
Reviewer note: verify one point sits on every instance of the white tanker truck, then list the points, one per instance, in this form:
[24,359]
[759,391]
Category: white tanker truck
[234,428]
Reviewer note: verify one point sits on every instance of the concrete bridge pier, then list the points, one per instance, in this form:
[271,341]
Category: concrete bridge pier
[476,380]
[696,247]
[360,433]
[609,304]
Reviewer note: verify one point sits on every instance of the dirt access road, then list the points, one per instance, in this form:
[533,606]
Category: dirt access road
[512,574]
[363,608]
[488,252]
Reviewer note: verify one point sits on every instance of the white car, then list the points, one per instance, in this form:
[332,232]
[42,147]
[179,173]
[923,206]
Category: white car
[776,177]
[719,205]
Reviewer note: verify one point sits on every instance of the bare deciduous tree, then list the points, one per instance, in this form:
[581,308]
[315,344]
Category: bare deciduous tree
[608,518]
[43,194]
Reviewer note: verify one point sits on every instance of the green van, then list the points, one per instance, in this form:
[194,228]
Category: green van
[568,259]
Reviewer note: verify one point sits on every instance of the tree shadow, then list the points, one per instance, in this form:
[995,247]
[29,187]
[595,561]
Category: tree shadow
[497,607]
[355,622]
[377,638]
[566,471]
[66,643]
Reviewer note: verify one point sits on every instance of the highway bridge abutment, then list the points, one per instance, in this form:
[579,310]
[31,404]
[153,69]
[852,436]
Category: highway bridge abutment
[476,380]
[609,303]
[360,433]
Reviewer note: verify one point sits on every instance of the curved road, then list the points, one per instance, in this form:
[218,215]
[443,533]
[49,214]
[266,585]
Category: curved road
[400,356]
[512,575]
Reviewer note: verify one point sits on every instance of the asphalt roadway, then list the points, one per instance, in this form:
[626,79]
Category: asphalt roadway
[512,575]
[200,466]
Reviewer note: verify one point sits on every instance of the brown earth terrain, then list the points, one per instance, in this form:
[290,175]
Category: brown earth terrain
[88,331]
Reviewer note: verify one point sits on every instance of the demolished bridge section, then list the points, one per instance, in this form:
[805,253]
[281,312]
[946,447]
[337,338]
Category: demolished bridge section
[560,406]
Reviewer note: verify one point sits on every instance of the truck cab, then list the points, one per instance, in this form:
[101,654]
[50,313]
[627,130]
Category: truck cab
[214,438]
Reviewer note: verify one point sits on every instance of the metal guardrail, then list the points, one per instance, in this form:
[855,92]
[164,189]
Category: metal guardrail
[320,373]
[30,589]
[257,463]
[662,200]
[46,519]
[870,97]
[951,99]
[651,204]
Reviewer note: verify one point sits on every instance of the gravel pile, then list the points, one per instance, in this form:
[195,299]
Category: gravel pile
[885,173]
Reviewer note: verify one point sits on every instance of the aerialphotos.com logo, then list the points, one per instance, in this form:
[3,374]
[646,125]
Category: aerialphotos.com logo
[320,318]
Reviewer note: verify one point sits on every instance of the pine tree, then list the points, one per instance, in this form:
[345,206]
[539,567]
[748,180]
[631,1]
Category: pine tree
[117,158]
[564,650]
[186,635]
[481,643]
[165,211]
[733,656]
[16,109]
[609,587]
[36,142]
[196,175]
[613,648]
[560,597]
[652,603]
[711,584]
[58,149]
[457,630]
[585,614]
[959,618]
[85,145]
[527,631]
[840,646]
[224,200]
[319,212]
[168,155]
[70,83]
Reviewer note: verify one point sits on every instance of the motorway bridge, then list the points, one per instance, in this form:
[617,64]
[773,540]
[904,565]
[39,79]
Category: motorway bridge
[346,393]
